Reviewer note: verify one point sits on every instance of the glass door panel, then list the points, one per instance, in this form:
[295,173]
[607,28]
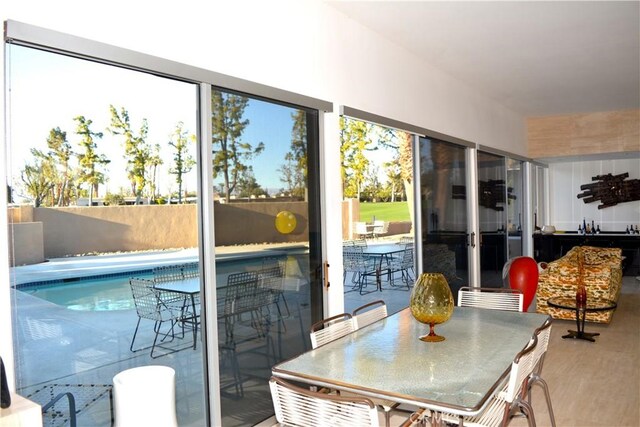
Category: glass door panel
[492,218]
[443,173]
[98,198]
[265,170]
[378,226]
[515,213]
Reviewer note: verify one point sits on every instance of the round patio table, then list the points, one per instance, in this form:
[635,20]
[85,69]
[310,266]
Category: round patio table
[593,304]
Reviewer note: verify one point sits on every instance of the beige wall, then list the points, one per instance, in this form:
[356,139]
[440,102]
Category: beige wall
[584,134]
[26,243]
[100,229]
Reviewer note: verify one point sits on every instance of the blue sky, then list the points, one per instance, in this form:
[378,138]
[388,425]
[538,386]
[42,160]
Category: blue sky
[49,90]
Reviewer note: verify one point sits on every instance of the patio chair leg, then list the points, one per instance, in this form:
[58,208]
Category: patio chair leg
[134,336]
[537,379]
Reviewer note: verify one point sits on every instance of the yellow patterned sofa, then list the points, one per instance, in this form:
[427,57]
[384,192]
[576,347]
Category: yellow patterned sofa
[602,279]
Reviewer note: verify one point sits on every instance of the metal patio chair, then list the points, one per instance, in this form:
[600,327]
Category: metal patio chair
[542,333]
[369,313]
[158,306]
[510,399]
[403,263]
[357,262]
[490,298]
[271,277]
[362,230]
[380,228]
[301,407]
[331,329]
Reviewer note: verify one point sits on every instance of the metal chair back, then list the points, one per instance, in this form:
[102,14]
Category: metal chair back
[491,298]
[296,406]
[331,329]
[146,299]
[369,313]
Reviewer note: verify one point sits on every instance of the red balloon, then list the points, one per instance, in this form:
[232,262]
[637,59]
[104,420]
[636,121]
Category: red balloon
[523,276]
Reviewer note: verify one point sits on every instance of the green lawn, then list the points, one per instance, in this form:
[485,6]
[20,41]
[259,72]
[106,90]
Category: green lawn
[389,211]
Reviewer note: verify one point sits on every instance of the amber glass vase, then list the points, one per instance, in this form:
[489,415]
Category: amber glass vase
[431,303]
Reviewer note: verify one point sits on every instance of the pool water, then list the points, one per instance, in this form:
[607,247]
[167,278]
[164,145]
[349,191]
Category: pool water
[105,294]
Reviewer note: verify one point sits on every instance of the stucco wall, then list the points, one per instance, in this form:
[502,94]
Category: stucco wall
[26,243]
[82,230]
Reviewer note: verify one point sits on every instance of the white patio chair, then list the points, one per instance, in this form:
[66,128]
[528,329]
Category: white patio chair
[296,406]
[157,306]
[509,399]
[542,333]
[380,228]
[145,396]
[331,329]
[369,313]
[335,327]
[490,298]
[362,230]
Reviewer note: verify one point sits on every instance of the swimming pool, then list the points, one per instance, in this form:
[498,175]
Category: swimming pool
[114,293]
[103,294]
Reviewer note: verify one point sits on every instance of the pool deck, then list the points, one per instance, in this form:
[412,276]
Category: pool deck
[90,347]
[99,265]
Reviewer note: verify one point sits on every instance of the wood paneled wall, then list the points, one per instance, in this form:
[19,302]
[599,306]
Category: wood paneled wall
[584,134]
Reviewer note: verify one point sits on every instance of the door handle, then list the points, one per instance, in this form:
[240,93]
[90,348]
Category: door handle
[473,239]
[326,275]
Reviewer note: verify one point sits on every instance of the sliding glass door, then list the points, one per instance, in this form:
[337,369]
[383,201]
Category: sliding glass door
[103,200]
[106,225]
[515,211]
[266,209]
[492,217]
[443,204]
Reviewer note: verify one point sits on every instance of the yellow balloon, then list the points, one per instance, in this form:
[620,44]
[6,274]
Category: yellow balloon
[285,222]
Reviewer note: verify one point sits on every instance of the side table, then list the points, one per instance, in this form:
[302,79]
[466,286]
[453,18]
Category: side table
[593,304]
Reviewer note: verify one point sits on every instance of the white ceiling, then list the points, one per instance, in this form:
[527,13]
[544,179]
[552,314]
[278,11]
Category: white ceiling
[537,58]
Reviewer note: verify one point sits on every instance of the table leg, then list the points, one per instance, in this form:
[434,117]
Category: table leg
[195,321]
[581,315]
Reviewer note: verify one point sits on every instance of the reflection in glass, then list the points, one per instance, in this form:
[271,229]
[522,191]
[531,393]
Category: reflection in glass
[493,193]
[267,244]
[93,174]
[515,191]
[444,210]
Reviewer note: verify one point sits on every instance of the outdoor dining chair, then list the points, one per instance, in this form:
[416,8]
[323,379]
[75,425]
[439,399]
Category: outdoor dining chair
[403,263]
[271,276]
[542,333]
[297,406]
[362,230]
[369,313]
[157,306]
[177,273]
[357,262]
[330,329]
[510,399]
[490,298]
[380,228]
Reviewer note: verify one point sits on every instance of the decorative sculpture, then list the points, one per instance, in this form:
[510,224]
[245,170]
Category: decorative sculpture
[523,276]
[611,190]
[490,193]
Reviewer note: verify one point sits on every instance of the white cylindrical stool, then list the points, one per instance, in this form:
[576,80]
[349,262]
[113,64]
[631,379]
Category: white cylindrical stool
[145,396]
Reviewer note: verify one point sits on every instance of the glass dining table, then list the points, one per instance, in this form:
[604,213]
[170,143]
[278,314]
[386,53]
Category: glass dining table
[387,360]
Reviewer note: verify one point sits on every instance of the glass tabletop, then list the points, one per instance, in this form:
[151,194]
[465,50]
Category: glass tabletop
[387,360]
[593,304]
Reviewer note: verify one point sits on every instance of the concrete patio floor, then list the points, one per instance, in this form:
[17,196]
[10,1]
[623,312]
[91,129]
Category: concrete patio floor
[55,345]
